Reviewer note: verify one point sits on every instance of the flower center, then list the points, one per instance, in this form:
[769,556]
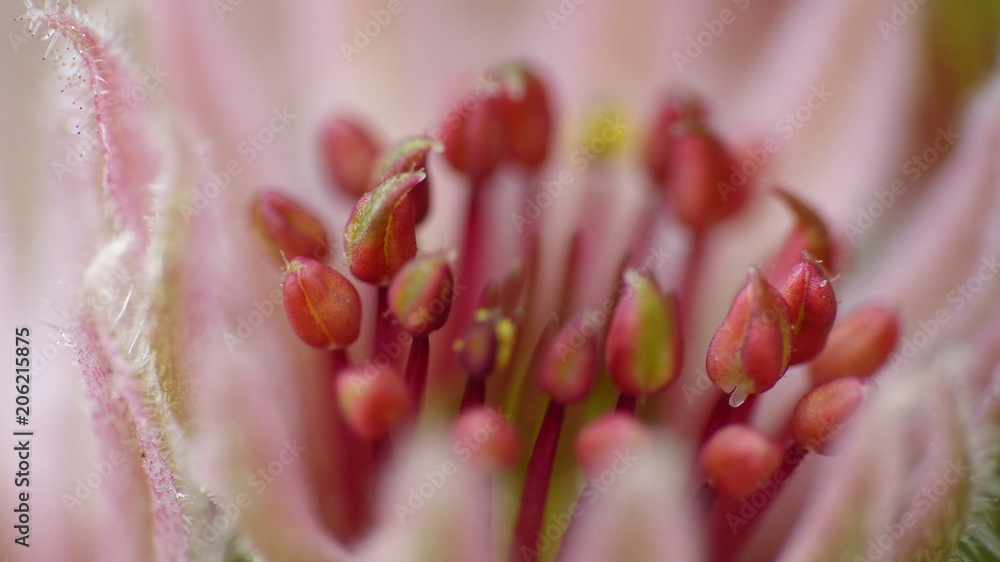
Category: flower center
[491,346]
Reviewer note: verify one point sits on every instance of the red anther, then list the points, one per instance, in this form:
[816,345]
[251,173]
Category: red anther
[698,183]
[809,234]
[322,306]
[750,350]
[411,156]
[288,227]
[381,233]
[823,411]
[527,115]
[643,349]
[737,459]
[373,400]
[349,152]
[675,109]
[857,346]
[611,438]
[421,294]
[473,134]
[482,435]
[812,308]
[487,344]
[570,368]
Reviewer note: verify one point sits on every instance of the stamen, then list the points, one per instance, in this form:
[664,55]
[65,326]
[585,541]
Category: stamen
[570,369]
[726,520]
[381,232]
[420,298]
[373,400]
[750,350]
[602,441]
[498,338]
[483,436]
[527,116]
[538,355]
[697,177]
[810,234]
[737,459]
[349,151]
[411,156]
[812,308]
[483,350]
[322,306]
[474,140]
[676,108]
[823,412]
[567,375]
[536,485]
[288,228]
[643,350]
[415,376]
[599,445]
[857,346]
[572,275]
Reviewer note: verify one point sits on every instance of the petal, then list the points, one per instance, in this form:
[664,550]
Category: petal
[637,513]
[434,509]
[903,481]
[941,262]
[258,467]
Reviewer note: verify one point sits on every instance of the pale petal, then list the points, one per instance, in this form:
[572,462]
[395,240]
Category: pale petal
[940,264]
[433,509]
[903,483]
[258,466]
[112,338]
[42,255]
[638,513]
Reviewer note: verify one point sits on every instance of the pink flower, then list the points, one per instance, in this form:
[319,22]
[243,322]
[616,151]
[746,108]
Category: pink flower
[177,416]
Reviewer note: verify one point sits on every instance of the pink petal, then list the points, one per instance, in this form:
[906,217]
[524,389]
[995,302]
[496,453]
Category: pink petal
[259,465]
[941,262]
[433,509]
[904,468]
[637,511]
